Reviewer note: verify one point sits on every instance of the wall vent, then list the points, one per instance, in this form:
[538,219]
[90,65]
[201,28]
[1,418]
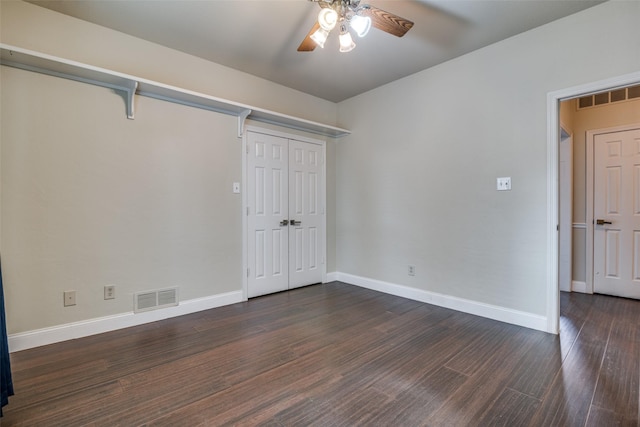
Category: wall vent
[604,98]
[153,300]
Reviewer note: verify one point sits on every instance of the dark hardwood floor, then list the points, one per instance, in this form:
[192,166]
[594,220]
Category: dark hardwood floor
[339,355]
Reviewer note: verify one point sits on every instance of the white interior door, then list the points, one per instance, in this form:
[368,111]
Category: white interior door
[268,187]
[305,213]
[285,218]
[616,239]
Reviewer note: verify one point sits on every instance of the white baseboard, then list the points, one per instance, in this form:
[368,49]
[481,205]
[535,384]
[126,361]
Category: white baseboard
[515,317]
[39,337]
[577,286]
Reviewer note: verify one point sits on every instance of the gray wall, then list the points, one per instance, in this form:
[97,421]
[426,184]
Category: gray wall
[418,174]
[89,198]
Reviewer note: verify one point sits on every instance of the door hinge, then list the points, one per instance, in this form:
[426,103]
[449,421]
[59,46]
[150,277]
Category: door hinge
[248,272]
[247,148]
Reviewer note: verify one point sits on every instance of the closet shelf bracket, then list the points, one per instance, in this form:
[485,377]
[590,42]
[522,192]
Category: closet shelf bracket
[242,117]
[130,89]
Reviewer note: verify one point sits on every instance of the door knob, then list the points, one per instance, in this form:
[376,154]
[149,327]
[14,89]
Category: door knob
[294,222]
[602,222]
[284,222]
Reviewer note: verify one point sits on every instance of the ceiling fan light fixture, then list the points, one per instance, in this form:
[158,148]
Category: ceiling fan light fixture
[320,36]
[350,15]
[360,24]
[327,18]
[346,42]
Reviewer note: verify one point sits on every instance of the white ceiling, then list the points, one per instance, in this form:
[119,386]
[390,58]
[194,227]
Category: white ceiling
[260,37]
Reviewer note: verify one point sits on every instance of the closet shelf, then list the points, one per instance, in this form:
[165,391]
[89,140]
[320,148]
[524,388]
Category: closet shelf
[130,85]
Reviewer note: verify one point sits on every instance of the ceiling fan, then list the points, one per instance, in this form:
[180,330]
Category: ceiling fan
[350,15]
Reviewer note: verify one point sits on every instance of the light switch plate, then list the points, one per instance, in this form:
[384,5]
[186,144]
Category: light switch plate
[236,187]
[504,183]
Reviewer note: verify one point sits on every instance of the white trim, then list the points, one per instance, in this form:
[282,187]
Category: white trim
[280,134]
[577,286]
[245,215]
[39,337]
[331,277]
[579,225]
[502,314]
[553,147]
[245,201]
[589,213]
[323,187]
[565,215]
[553,141]
[590,173]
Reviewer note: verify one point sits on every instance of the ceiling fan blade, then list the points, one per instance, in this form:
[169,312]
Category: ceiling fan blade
[387,22]
[307,44]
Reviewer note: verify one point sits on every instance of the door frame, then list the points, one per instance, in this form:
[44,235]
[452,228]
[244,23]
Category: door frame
[553,153]
[565,207]
[245,201]
[590,147]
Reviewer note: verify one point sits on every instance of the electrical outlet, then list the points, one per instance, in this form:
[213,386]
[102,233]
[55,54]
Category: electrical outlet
[110,292]
[411,270]
[503,183]
[69,298]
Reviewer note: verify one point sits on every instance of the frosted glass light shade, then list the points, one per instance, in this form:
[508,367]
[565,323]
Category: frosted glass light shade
[346,42]
[327,18]
[320,36]
[361,25]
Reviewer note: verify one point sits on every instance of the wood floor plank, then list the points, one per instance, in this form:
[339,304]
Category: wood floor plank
[618,382]
[286,383]
[339,355]
[260,354]
[599,417]
[471,399]
[574,311]
[63,409]
[619,378]
[511,408]
[484,345]
[569,398]
[537,369]
[423,397]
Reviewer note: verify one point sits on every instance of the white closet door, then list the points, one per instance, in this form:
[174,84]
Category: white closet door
[268,213]
[306,212]
[285,225]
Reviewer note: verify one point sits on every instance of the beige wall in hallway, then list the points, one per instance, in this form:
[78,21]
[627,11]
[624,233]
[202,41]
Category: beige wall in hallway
[583,120]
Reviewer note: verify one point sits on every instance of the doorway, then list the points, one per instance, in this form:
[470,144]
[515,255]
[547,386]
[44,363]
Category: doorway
[554,184]
[285,212]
